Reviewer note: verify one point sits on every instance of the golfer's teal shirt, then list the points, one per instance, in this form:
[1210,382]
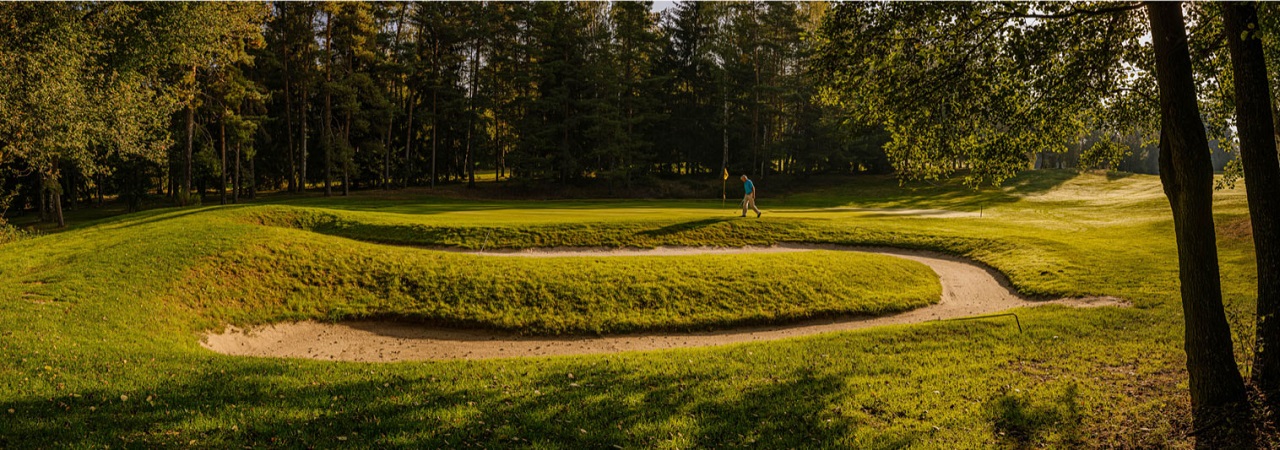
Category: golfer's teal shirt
[748,186]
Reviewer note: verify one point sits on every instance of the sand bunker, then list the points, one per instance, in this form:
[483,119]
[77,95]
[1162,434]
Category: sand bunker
[968,289]
[895,212]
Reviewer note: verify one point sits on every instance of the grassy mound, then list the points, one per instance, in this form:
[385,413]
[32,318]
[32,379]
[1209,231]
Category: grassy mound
[294,275]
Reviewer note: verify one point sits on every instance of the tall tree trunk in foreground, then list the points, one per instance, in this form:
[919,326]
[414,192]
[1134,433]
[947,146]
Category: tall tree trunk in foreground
[1262,184]
[1217,391]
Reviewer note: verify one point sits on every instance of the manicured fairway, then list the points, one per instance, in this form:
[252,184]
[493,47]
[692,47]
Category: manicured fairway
[99,325]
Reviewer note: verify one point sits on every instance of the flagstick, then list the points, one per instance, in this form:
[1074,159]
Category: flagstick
[724,180]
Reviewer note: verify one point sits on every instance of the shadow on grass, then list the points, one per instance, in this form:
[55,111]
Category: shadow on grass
[160,215]
[822,192]
[1113,175]
[1035,182]
[682,227]
[271,404]
[1021,423]
[436,205]
[950,194]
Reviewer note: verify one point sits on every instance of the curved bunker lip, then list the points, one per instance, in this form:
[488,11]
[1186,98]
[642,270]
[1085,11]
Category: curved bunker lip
[968,289]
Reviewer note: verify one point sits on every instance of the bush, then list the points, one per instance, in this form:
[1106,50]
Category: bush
[10,233]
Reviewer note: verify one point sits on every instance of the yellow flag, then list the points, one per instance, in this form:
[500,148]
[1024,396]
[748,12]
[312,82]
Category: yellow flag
[726,174]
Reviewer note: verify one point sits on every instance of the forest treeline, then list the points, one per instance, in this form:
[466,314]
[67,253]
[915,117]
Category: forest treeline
[225,99]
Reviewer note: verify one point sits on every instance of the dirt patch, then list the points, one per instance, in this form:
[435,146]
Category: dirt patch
[968,289]
[1238,228]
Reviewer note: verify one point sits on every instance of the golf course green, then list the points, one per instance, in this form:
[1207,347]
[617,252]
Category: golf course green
[101,323]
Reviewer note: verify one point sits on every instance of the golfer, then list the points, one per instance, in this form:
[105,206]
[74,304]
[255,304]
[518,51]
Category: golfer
[749,197]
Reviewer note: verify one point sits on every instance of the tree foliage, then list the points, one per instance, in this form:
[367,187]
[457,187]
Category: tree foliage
[985,85]
[190,99]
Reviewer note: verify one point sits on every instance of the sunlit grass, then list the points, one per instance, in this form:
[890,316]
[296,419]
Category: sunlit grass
[288,274]
[99,325]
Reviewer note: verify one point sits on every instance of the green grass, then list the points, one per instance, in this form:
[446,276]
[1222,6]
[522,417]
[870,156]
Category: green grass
[291,275]
[99,324]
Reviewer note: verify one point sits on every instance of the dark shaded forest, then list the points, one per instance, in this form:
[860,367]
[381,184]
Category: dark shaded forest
[341,96]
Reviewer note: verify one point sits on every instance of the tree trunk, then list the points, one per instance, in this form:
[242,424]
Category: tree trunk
[57,196]
[253,181]
[235,192]
[385,180]
[288,111]
[1217,392]
[386,157]
[222,169]
[41,194]
[435,111]
[435,130]
[71,190]
[348,156]
[98,187]
[471,116]
[348,150]
[302,181]
[1262,184]
[57,210]
[186,185]
[328,107]
[386,147]
[408,142]
[169,178]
